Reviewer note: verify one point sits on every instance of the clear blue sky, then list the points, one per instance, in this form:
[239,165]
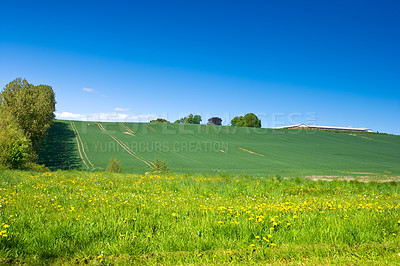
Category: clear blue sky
[320,62]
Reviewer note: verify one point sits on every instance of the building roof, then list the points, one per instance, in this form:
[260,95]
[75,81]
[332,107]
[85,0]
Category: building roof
[327,127]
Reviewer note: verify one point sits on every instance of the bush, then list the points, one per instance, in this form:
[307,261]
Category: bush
[160,166]
[15,148]
[159,120]
[40,168]
[114,166]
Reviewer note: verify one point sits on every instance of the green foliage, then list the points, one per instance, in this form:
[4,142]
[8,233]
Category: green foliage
[159,120]
[15,148]
[190,119]
[114,166]
[32,107]
[40,168]
[160,166]
[238,121]
[249,120]
[179,121]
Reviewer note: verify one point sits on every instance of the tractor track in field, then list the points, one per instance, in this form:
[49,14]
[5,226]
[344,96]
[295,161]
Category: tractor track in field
[152,129]
[125,147]
[252,152]
[130,132]
[79,140]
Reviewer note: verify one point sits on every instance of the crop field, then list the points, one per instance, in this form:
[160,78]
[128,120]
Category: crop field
[219,149]
[72,217]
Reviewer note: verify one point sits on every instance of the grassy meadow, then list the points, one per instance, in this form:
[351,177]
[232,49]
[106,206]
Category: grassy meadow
[219,149]
[74,217]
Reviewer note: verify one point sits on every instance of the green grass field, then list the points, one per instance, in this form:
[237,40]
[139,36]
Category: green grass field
[70,217]
[234,196]
[219,149]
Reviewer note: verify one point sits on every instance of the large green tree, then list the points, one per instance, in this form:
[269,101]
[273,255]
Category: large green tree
[32,107]
[249,120]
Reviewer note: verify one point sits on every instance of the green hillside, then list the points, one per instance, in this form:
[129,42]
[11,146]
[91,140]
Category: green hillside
[218,149]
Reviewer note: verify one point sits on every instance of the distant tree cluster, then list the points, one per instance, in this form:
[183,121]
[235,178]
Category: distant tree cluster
[249,120]
[159,120]
[26,112]
[190,119]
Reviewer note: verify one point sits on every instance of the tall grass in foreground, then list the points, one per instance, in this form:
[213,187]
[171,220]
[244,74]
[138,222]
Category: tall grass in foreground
[63,217]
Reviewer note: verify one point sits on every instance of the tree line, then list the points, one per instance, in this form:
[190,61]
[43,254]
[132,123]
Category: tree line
[26,112]
[249,120]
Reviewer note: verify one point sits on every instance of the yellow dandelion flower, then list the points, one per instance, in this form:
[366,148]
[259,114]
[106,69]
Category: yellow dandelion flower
[174,214]
[269,235]
[257,237]
[6,226]
[252,245]
[220,222]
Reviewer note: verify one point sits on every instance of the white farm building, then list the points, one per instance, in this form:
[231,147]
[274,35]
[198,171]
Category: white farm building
[304,126]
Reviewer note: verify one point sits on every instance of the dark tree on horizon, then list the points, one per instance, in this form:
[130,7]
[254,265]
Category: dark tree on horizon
[215,121]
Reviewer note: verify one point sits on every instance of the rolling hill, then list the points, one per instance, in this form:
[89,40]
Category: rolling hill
[218,149]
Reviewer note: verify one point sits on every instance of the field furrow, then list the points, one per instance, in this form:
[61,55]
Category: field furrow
[125,147]
[82,146]
[78,143]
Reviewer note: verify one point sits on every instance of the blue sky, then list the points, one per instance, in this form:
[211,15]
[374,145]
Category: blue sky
[319,62]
